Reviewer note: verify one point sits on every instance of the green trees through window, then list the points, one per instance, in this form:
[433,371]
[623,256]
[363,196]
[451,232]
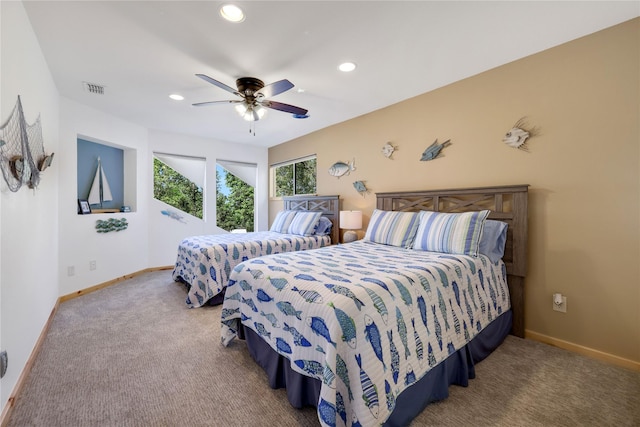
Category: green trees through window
[176,190]
[179,181]
[295,178]
[234,202]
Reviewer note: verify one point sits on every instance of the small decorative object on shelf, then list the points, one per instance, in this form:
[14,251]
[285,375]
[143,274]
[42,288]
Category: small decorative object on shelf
[83,207]
[434,150]
[339,169]
[350,221]
[112,224]
[125,209]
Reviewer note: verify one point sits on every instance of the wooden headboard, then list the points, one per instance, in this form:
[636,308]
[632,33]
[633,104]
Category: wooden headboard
[328,205]
[506,203]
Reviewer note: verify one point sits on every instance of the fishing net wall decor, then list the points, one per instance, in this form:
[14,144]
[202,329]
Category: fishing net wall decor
[22,155]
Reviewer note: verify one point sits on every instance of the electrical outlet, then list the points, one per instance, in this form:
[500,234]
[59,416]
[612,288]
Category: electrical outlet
[562,307]
[92,265]
[71,270]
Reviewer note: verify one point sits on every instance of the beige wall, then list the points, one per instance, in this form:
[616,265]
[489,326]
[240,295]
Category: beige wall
[583,169]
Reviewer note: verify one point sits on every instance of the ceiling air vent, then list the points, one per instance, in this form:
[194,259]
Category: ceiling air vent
[93,88]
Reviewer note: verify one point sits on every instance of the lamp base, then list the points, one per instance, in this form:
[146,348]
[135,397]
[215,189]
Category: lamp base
[350,236]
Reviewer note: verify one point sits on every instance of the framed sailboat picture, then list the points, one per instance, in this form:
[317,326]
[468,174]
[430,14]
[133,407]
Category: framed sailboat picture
[84,207]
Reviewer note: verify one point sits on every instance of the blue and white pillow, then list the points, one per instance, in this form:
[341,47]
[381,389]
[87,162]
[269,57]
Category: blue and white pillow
[283,221]
[493,240]
[451,233]
[304,223]
[324,227]
[392,228]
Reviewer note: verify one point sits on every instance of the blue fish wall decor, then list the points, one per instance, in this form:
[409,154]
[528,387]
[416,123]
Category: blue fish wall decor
[434,150]
[360,188]
[173,215]
[339,169]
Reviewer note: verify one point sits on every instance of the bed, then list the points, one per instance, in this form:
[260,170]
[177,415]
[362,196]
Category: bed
[370,333]
[203,263]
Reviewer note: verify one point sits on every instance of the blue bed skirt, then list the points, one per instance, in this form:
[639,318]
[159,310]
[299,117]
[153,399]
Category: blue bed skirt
[456,369]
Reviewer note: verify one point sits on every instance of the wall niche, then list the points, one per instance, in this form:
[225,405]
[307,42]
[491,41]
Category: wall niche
[106,175]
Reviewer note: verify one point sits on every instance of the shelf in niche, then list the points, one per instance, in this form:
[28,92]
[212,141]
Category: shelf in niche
[120,167]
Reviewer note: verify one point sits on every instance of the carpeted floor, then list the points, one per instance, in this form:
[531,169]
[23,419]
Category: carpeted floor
[133,354]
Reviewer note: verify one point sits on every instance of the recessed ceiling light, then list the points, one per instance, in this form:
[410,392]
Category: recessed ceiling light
[347,67]
[176,97]
[232,13]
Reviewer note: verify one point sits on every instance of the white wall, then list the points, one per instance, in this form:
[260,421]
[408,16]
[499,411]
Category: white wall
[41,232]
[28,218]
[165,233]
[116,253]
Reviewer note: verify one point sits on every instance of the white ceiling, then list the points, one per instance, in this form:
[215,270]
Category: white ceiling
[142,51]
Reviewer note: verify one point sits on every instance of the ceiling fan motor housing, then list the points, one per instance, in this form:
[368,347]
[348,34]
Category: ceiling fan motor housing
[249,85]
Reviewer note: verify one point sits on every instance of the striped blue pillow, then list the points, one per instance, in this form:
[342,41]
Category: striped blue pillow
[451,233]
[392,228]
[282,221]
[304,223]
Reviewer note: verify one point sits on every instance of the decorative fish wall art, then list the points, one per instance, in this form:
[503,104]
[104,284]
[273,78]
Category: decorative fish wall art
[388,149]
[112,224]
[434,150]
[173,215]
[360,187]
[339,169]
[518,135]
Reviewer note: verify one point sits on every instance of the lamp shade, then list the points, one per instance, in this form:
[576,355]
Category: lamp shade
[351,220]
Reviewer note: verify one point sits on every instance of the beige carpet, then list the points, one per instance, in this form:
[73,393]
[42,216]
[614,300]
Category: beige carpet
[133,354]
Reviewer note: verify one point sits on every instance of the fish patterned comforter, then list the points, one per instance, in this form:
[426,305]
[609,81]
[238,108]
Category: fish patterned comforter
[368,320]
[204,262]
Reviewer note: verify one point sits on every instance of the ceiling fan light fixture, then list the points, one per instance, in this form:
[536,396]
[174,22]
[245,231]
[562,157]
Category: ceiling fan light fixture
[251,113]
[232,13]
[241,109]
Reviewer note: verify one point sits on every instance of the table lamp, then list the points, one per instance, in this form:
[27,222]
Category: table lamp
[350,221]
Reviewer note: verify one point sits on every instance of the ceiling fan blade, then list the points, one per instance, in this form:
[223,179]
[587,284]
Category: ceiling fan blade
[284,107]
[275,88]
[219,84]
[233,101]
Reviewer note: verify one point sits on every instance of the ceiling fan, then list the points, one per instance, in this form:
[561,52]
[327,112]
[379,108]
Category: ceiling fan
[254,93]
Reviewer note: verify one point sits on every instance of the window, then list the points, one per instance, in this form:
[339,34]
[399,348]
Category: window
[235,206]
[178,181]
[294,178]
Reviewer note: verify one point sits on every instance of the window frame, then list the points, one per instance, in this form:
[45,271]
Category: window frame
[272,176]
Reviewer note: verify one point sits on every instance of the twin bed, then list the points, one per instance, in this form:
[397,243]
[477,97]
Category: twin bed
[204,262]
[372,331]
